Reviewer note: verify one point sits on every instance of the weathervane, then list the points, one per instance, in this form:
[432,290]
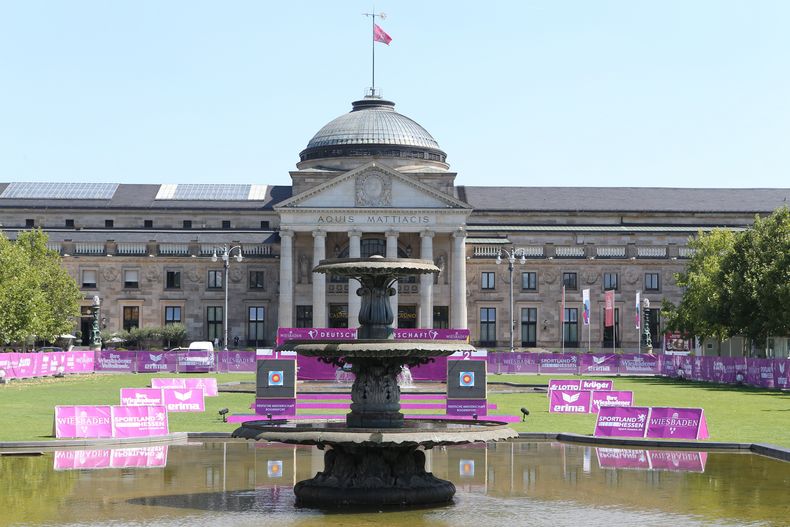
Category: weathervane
[379,35]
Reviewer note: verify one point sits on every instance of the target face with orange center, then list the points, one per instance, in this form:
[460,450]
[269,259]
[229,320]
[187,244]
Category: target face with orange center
[466,468]
[276,378]
[274,469]
[467,378]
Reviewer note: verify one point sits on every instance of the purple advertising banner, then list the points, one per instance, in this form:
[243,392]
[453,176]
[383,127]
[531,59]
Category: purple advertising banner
[432,334]
[597,385]
[118,361]
[168,382]
[467,407]
[564,384]
[558,363]
[83,422]
[286,334]
[184,399]
[141,397]
[517,362]
[312,369]
[611,398]
[139,421]
[236,361]
[207,384]
[615,421]
[677,423]
[623,458]
[569,402]
[782,374]
[195,361]
[80,361]
[156,361]
[678,460]
[631,364]
[598,364]
[275,406]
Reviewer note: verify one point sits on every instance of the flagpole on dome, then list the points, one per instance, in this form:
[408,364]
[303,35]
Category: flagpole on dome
[377,35]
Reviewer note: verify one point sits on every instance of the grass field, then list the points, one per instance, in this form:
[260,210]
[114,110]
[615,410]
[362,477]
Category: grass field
[740,414]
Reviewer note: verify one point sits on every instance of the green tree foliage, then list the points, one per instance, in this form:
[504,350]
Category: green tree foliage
[701,311]
[756,279]
[737,283]
[38,297]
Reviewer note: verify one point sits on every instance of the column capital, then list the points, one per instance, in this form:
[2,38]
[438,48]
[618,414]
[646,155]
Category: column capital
[459,233]
[427,233]
[354,232]
[286,233]
[391,233]
[318,233]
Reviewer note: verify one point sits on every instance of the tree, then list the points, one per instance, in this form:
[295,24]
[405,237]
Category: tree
[701,311]
[38,296]
[755,278]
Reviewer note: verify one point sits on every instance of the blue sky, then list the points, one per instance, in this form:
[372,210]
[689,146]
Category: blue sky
[529,93]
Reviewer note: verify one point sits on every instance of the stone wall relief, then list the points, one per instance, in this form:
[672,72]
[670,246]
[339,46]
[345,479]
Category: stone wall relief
[153,274]
[110,274]
[440,262]
[236,274]
[632,276]
[304,269]
[589,277]
[549,276]
[374,189]
[193,275]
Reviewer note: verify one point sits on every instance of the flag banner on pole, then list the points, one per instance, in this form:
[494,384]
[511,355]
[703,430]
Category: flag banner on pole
[609,308]
[638,318]
[379,35]
[586,302]
[562,307]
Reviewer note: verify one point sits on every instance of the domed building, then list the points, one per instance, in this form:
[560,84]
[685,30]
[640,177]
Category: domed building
[373,181]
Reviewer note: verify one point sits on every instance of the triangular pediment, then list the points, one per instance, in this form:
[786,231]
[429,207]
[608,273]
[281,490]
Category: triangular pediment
[373,186]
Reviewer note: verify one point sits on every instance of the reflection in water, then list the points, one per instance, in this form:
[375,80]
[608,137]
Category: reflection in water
[513,483]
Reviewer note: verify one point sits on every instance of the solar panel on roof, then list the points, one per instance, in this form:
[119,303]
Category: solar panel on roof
[205,192]
[36,190]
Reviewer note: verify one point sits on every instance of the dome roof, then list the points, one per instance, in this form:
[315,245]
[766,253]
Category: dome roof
[372,121]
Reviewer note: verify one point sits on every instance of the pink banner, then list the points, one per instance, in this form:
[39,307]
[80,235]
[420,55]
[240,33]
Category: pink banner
[631,364]
[597,385]
[517,362]
[207,384]
[118,361]
[82,459]
[138,457]
[611,398]
[615,421]
[312,369]
[83,422]
[558,363]
[168,382]
[432,334]
[598,364]
[184,399]
[139,421]
[677,423]
[678,460]
[286,334]
[564,384]
[141,397]
[155,361]
[80,361]
[782,374]
[236,361]
[569,402]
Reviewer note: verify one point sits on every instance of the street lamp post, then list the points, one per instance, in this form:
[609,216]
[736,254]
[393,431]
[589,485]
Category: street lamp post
[95,331]
[511,256]
[646,340]
[226,254]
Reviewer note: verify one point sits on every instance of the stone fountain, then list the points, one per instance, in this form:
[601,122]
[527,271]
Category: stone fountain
[376,457]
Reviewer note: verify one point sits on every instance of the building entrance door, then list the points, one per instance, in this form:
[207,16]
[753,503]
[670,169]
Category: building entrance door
[338,315]
[407,317]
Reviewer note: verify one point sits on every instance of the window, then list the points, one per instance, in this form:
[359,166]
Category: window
[214,279]
[88,279]
[172,315]
[570,326]
[131,279]
[265,225]
[109,224]
[610,281]
[651,282]
[488,326]
[338,315]
[304,316]
[569,280]
[69,224]
[441,317]
[226,224]
[529,281]
[30,223]
[131,317]
[214,318]
[607,330]
[529,327]
[372,246]
[173,280]
[487,280]
[255,323]
[256,280]
[187,224]
[148,224]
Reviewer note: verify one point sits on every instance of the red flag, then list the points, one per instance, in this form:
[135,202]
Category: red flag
[609,308]
[379,35]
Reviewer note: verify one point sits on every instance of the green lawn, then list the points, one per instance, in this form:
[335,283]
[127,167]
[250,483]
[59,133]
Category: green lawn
[740,414]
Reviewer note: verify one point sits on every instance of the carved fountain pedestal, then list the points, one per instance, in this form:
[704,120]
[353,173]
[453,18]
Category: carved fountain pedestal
[376,457]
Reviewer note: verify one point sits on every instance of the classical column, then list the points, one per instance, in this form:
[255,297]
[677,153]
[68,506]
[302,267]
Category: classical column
[458,292]
[392,252]
[286,305]
[426,281]
[319,281]
[354,301]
